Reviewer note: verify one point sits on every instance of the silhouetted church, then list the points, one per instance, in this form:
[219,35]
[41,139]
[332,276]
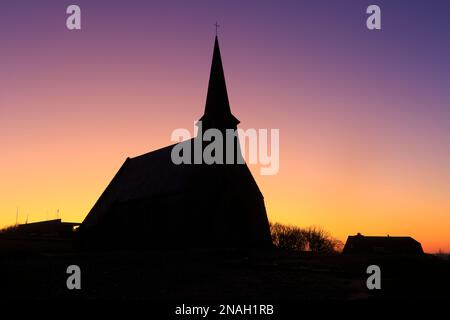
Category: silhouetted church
[152,202]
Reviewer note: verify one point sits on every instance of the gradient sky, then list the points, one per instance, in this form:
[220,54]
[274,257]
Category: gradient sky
[363,115]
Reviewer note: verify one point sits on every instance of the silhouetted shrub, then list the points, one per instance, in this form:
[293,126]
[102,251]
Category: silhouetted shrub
[297,239]
[320,240]
[8,229]
[442,255]
[288,237]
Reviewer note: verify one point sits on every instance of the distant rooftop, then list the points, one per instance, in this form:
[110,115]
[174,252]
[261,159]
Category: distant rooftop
[360,244]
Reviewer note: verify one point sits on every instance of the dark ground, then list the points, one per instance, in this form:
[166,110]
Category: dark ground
[220,275]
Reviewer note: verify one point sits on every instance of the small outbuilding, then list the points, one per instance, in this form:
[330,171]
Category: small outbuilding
[360,244]
[48,228]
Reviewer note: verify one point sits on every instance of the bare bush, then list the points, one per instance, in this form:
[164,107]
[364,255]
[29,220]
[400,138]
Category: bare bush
[288,237]
[313,239]
[8,229]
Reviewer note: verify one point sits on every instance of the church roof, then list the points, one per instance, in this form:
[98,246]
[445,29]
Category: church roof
[155,175]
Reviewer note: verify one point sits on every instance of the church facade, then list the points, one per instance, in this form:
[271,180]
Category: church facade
[152,202]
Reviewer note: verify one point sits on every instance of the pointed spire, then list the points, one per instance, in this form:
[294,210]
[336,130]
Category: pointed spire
[217,108]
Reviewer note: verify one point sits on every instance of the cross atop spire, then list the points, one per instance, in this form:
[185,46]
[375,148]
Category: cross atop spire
[217,26]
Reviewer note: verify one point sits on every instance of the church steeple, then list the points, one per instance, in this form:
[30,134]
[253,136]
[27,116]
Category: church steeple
[217,108]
